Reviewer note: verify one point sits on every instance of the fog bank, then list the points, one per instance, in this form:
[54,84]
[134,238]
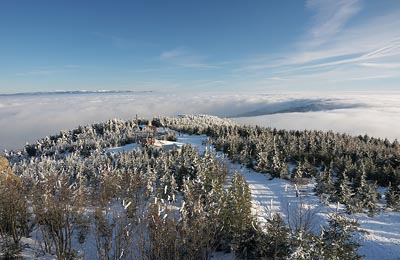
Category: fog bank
[26,118]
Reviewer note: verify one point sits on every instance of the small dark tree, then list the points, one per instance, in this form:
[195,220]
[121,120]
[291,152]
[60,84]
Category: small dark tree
[392,197]
[298,172]
[304,246]
[339,238]
[345,193]
[366,195]
[275,242]
[237,215]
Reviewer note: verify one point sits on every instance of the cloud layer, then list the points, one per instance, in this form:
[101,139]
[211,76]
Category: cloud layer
[28,118]
[337,51]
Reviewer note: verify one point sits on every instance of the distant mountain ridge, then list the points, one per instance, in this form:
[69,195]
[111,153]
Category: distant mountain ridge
[299,106]
[74,92]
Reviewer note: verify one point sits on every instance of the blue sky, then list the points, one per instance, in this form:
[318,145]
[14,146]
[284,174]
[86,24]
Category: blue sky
[260,46]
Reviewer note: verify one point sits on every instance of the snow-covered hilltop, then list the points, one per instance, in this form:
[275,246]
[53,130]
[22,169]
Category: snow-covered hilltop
[219,190]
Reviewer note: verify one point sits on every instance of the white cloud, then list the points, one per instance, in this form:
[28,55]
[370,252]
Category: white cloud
[172,54]
[377,38]
[352,121]
[183,57]
[28,118]
[330,17]
[277,78]
[381,65]
[334,50]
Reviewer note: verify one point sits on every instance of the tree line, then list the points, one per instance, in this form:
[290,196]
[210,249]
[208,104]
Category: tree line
[66,190]
[347,169]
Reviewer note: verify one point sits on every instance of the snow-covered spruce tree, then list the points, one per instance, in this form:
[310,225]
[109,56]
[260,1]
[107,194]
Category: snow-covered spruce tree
[237,217]
[201,214]
[285,170]
[275,242]
[319,188]
[263,163]
[339,241]
[250,246]
[325,187]
[164,190]
[297,172]
[199,227]
[345,193]
[366,195]
[304,246]
[392,197]
[309,169]
[279,167]
[372,198]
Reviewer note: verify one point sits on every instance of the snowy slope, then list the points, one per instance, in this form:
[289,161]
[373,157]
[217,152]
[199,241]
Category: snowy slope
[380,241]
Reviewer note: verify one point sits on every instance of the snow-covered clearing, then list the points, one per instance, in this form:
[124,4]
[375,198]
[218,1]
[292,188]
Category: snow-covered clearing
[380,241]
[125,148]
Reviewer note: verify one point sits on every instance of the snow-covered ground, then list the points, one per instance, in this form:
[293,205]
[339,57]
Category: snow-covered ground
[125,148]
[382,237]
[380,241]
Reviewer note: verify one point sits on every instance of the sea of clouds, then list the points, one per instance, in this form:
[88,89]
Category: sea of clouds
[26,118]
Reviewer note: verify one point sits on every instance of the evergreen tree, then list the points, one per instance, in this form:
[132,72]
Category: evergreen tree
[298,172]
[372,198]
[284,170]
[263,165]
[366,195]
[339,238]
[276,165]
[392,196]
[237,210]
[325,184]
[309,169]
[305,246]
[320,184]
[345,193]
[275,242]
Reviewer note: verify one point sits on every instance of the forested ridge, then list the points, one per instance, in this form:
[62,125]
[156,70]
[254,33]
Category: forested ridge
[347,168]
[68,191]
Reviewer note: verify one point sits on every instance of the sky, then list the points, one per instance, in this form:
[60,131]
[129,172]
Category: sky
[195,46]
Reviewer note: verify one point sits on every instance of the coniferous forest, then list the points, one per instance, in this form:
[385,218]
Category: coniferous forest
[70,196]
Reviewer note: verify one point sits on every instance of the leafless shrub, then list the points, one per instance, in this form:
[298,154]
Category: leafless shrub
[163,233]
[300,216]
[113,234]
[14,214]
[57,210]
